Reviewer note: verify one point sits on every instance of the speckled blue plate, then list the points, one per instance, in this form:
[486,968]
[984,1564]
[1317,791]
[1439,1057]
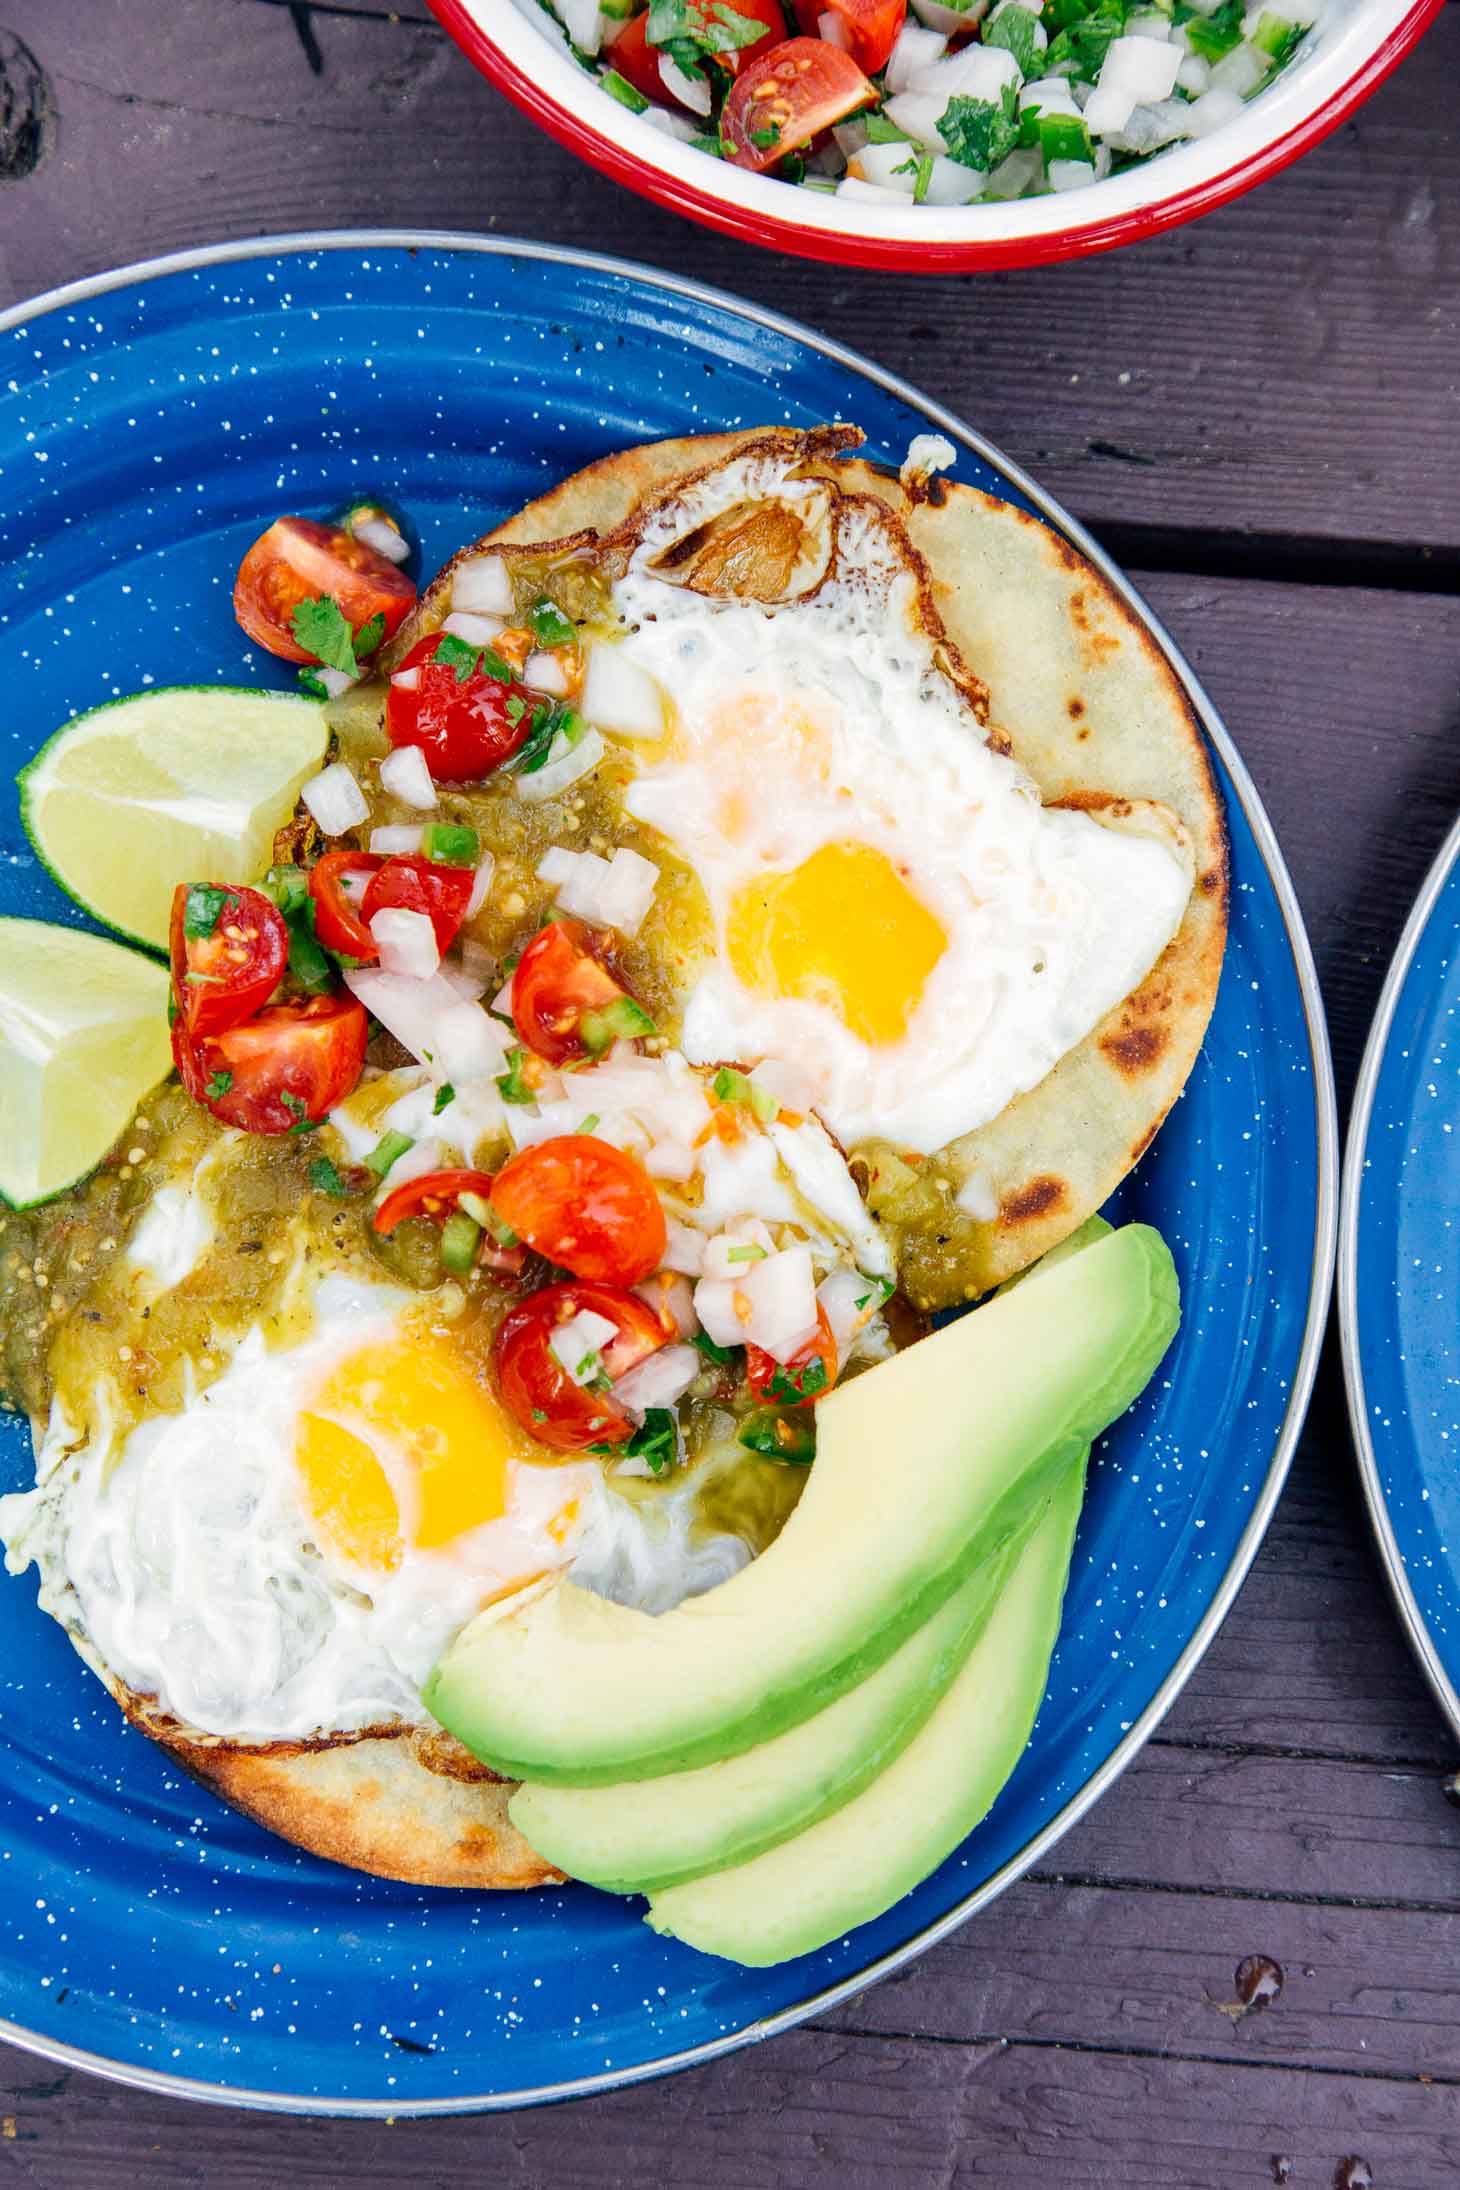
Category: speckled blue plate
[1399,1276]
[151,422]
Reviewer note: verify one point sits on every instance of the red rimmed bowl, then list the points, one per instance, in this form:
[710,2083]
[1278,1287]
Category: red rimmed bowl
[1342,61]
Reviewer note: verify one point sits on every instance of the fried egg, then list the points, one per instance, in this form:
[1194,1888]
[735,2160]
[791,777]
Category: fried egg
[892,906]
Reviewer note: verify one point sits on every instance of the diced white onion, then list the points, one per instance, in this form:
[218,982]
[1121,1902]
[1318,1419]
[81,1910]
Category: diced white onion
[659,1381]
[919,115]
[976,72]
[738,1250]
[951,183]
[685,1250]
[691,91]
[405,775]
[501,1003]
[865,193]
[395,836]
[545,673]
[583,21]
[1070,174]
[670,1160]
[575,761]
[715,1305]
[677,126]
[383,537]
[1012,177]
[408,1009]
[1241,70]
[1194,74]
[950,21]
[1135,71]
[482,587]
[1149,23]
[471,987]
[669,1293]
[620,696]
[916,47]
[473,629]
[422,1157]
[335,681]
[788,1087]
[406,680]
[1148,128]
[335,799]
[614,893]
[406,942]
[468,1045]
[834,30]
[884,165]
[848,1300]
[481,883]
[1048,95]
[628,890]
[577,1344]
[1213,110]
[850,136]
[782,1294]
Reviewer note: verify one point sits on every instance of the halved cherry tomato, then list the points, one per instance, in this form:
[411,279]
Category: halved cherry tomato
[538,1389]
[280,1071]
[337,920]
[872,27]
[782,100]
[786,1383]
[566,1004]
[465,726]
[229,949]
[633,56]
[433,1194]
[299,560]
[588,1206]
[420,885]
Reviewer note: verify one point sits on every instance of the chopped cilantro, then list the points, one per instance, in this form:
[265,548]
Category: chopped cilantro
[307,961]
[515,709]
[287,886]
[655,1440]
[763,139]
[323,630]
[792,1385]
[454,653]
[881,131]
[298,1110]
[711,1350]
[1016,29]
[369,636]
[1276,38]
[978,132]
[1213,35]
[445,1094]
[219,1085]
[924,175]
[1084,43]
[692,35]
[511,1086]
[493,666]
[202,909]
[547,722]
[550,626]
[325,1178]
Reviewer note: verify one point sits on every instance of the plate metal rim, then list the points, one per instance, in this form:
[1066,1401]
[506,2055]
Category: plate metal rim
[305,243]
[1416,1627]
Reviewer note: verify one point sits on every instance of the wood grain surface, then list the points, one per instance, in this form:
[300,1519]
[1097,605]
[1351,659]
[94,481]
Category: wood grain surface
[1261,414]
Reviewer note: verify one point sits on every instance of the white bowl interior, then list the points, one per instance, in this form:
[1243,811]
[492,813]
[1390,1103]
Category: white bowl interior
[1350,33]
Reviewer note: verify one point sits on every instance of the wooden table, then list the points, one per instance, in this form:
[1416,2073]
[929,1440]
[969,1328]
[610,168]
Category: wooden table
[1260,416]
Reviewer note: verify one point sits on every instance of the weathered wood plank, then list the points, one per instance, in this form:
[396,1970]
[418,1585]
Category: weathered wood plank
[1287,366]
[1366,1990]
[818,2111]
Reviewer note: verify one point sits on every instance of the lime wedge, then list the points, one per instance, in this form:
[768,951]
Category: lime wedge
[184,784]
[83,1037]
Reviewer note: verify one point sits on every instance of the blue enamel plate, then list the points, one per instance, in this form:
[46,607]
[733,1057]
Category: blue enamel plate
[1399,1276]
[150,424]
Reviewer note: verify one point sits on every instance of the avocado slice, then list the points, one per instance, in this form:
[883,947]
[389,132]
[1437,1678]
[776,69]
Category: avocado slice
[864,1857]
[645,1833]
[926,1465]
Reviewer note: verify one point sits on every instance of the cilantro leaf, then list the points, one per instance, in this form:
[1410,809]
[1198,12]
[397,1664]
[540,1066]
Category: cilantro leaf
[325,1178]
[791,1385]
[1085,44]
[720,1355]
[445,1094]
[511,1086]
[655,1440]
[202,909]
[979,133]
[323,630]
[220,1083]
[454,653]
[1016,29]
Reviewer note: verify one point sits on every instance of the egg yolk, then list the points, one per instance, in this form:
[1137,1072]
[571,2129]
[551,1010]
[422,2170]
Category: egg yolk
[843,929]
[400,1445]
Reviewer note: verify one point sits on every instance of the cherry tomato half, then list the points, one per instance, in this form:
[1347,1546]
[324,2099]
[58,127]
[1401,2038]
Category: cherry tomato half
[633,56]
[872,27]
[787,97]
[433,1194]
[280,1071]
[586,1205]
[566,1004]
[538,1389]
[789,1384]
[229,949]
[463,725]
[420,885]
[299,560]
[337,920]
